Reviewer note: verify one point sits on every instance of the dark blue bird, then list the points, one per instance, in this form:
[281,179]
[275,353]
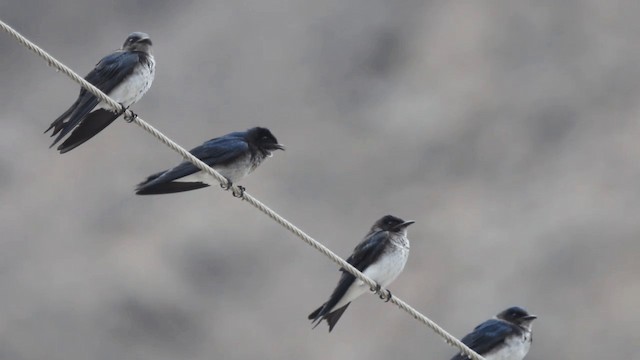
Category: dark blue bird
[381,256]
[234,156]
[124,75]
[506,337]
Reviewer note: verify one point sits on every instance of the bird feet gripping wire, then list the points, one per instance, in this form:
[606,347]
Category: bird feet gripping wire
[378,290]
[238,194]
[128,118]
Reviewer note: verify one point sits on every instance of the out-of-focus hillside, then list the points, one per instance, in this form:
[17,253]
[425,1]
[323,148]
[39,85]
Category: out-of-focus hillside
[508,131]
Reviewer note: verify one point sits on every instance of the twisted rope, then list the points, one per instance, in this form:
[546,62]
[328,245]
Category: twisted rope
[131,117]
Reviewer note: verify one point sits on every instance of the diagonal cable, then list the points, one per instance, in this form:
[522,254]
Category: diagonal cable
[116,107]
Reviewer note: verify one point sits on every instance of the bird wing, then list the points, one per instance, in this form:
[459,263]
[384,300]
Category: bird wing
[368,251]
[112,69]
[486,336]
[107,74]
[93,123]
[218,151]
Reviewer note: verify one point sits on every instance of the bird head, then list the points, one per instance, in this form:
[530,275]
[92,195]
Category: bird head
[264,140]
[391,223]
[518,316]
[137,41]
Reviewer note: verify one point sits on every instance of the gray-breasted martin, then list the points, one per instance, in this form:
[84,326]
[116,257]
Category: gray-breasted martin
[234,156]
[505,337]
[124,75]
[381,256]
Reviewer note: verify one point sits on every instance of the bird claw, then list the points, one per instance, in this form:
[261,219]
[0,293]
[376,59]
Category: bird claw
[229,186]
[378,290]
[386,297]
[240,193]
[127,117]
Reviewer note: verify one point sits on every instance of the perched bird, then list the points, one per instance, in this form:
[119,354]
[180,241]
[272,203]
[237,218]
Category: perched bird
[234,156]
[381,256]
[505,337]
[124,75]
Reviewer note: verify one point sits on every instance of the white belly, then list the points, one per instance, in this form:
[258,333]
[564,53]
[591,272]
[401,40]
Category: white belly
[232,173]
[515,349]
[391,265]
[387,269]
[238,171]
[133,87]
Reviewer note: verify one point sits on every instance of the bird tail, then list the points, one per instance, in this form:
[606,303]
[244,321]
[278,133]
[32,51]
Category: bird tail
[89,127]
[316,316]
[332,318]
[168,187]
[58,124]
[153,185]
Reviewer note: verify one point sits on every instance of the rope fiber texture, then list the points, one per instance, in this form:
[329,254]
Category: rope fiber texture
[131,117]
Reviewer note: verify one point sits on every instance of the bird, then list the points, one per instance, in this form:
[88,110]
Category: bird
[505,337]
[381,256]
[234,156]
[125,75]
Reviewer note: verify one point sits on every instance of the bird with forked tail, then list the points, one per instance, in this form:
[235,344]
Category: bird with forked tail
[125,76]
[381,256]
[505,337]
[234,156]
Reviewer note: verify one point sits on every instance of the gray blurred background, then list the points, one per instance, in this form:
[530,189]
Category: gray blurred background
[507,130]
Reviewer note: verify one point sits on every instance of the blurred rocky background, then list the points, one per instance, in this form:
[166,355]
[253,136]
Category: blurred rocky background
[507,130]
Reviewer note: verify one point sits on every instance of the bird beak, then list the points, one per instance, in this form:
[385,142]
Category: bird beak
[145,41]
[404,224]
[274,147]
[530,317]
